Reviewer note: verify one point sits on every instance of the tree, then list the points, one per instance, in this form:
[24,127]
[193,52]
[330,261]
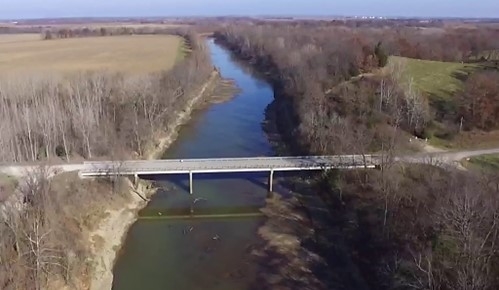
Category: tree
[479,103]
[381,55]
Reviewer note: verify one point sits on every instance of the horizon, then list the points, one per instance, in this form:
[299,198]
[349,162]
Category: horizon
[296,17]
[50,9]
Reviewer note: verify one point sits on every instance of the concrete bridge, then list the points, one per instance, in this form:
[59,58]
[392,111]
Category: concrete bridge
[257,164]
[226,165]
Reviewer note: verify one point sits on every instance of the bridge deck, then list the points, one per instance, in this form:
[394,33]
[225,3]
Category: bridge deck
[214,165]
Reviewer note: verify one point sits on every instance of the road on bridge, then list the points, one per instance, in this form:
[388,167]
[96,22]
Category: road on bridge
[448,158]
[221,165]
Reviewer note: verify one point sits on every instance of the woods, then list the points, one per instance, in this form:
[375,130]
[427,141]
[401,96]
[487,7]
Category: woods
[328,84]
[407,227]
[91,114]
[422,228]
[479,102]
[46,227]
[45,241]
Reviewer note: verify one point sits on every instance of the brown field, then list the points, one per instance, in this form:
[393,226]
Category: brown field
[128,54]
[10,38]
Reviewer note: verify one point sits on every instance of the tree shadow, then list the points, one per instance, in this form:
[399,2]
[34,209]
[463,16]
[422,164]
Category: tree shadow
[322,249]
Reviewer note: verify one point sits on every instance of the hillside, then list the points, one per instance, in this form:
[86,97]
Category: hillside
[440,80]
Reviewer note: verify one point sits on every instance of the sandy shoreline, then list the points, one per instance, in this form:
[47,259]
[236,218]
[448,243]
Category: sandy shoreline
[112,230]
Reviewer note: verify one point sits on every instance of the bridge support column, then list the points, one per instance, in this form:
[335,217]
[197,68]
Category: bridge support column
[271,180]
[191,189]
[135,180]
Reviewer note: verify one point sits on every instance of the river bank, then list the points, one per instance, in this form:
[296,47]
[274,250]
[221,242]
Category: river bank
[178,237]
[304,248]
[112,230]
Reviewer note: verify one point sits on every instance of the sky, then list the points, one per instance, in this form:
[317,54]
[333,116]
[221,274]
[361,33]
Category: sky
[16,9]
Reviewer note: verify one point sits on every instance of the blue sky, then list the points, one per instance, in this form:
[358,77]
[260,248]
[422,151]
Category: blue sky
[10,9]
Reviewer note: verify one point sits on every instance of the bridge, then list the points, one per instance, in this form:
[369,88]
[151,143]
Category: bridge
[136,168]
[225,165]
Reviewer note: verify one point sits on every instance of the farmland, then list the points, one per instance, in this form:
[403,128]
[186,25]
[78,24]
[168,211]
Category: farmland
[127,54]
[18,38]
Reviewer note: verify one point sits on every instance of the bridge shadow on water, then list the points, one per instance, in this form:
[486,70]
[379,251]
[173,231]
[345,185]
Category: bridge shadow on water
[199,206]
[260,179]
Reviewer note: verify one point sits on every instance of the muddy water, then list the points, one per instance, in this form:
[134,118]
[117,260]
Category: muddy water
[167,249]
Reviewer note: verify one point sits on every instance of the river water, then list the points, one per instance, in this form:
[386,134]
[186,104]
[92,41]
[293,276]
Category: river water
[166,249]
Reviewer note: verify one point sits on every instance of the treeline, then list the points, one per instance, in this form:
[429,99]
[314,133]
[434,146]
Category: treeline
[321,56]
[408,228]
[323,116]
[61,33]
[95,113]
[404,38]
[46,227]
[20,30]
[478,103]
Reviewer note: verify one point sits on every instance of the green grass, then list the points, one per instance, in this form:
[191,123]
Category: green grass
[440,80]
[485,162]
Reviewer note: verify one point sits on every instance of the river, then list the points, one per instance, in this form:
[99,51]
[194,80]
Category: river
[165,249]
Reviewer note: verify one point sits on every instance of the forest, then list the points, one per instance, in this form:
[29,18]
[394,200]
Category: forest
[92,114]
[44,237]
[407,226]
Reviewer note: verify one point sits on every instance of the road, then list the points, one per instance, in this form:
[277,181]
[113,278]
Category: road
[244,164]
[448,158]
[220,165]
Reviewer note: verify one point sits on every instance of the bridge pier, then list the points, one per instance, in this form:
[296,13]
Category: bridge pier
[135,180]
[191,189]
[271,180]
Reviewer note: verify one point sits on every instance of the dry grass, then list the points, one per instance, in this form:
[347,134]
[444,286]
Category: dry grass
[8,185]
[128,54]
[469,140]
[16,38]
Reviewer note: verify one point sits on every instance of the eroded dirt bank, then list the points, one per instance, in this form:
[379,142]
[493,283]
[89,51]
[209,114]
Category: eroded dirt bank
[113,228]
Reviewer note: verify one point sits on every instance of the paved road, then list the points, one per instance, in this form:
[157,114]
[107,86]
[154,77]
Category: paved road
[245,164]
[227,165]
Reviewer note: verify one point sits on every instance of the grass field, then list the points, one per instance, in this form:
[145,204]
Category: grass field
[488,163]
[128,54]
[441,80]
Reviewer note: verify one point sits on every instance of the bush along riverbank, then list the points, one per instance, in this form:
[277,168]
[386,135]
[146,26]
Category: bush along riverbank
[373,229]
